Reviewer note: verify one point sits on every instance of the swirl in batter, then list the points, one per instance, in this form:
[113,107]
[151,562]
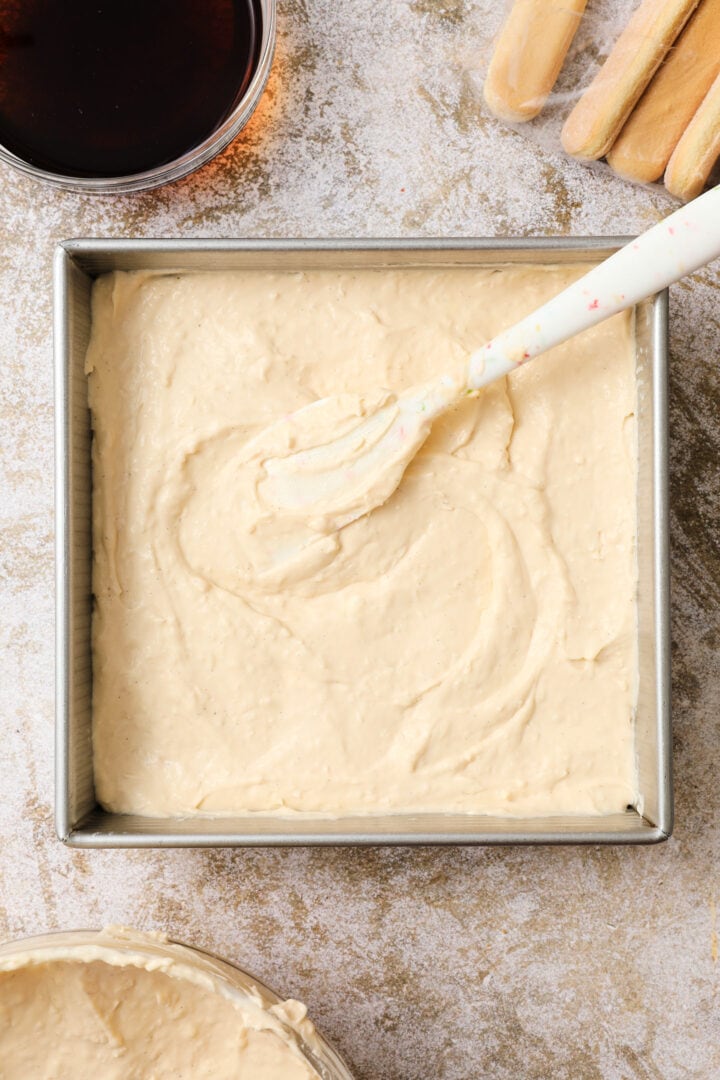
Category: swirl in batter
[469,646]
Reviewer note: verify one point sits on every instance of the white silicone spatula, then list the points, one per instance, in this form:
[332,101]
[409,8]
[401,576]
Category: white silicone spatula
[339,458]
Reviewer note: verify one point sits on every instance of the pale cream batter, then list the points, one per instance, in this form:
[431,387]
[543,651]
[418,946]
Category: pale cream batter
[468,647]
[119,1005]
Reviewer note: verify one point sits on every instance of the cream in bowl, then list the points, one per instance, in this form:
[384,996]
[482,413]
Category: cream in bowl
[121,1005]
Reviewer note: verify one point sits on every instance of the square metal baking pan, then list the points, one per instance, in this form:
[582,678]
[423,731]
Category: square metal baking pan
[80,821]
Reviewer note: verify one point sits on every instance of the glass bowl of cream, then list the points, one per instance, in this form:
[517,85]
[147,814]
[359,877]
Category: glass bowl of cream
[117,1003]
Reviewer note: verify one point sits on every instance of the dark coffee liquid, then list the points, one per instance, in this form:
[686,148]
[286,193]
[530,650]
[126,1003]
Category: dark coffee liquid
[115,87]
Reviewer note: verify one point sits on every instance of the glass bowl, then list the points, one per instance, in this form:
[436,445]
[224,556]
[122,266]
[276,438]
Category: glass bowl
[121,947]
[190,161]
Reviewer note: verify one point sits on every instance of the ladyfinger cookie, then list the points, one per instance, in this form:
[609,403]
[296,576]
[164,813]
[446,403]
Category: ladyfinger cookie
[528,56]
[699,148]
[643,147]
[595,122]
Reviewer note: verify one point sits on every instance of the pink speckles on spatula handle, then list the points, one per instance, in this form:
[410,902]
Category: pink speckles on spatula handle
[354,463]
[675,247]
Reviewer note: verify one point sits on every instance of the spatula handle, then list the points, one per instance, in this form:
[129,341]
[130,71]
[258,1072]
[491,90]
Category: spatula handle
[678,245]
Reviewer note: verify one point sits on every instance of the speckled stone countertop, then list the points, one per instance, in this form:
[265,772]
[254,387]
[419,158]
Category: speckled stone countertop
[457,964]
